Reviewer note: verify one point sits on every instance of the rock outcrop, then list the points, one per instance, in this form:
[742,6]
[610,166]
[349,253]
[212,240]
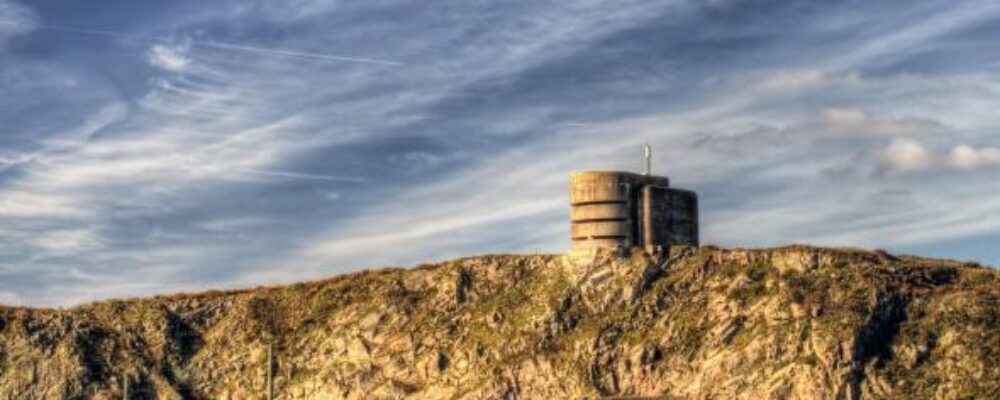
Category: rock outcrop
[707,323]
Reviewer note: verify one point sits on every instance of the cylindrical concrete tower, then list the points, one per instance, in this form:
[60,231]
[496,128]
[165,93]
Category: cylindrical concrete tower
[613,210]
[603,209]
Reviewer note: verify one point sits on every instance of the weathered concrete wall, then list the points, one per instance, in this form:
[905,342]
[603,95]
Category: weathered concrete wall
[620,210]
[603,209]
[668,217]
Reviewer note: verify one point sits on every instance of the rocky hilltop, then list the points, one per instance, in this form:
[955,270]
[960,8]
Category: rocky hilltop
[786,323]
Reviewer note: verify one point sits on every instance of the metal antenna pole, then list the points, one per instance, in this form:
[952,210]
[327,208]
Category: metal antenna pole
[649,157]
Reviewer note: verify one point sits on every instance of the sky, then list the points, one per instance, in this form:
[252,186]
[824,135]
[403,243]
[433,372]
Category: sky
[152,147]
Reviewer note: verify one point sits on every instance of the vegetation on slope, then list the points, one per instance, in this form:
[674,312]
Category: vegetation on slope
[794,322]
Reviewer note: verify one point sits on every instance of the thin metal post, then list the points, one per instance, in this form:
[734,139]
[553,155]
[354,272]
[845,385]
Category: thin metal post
[125,388]
[270,371]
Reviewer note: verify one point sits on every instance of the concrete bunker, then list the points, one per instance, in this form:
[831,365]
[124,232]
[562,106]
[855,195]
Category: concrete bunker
[621,210]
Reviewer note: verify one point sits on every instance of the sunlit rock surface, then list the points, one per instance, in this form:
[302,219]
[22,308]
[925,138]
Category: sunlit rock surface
[788,323]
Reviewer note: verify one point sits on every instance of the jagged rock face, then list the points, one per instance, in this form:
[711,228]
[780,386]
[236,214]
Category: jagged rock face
[789,323]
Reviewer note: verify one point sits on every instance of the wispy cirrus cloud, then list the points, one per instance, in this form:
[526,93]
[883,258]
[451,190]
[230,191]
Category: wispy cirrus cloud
[170,58]
[252,142]
[790,81]
[16,19]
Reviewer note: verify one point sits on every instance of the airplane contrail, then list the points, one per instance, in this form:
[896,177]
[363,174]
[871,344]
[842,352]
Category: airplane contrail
[228,46]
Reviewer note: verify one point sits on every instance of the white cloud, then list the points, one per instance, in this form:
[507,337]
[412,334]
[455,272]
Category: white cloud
[67,241]
[431,227]
[297,9]
[846,117]
[25,198]
[20,203]
[10,298]
[905,154]
[93,177]
[968,157]
[233,118]
[13,159]
[787,81]
[284,11]
[232,224]
[170,58]
[16,19]
[904,39]
[856,121]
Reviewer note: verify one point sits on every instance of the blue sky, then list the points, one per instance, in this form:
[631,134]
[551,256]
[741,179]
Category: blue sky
[153,147]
